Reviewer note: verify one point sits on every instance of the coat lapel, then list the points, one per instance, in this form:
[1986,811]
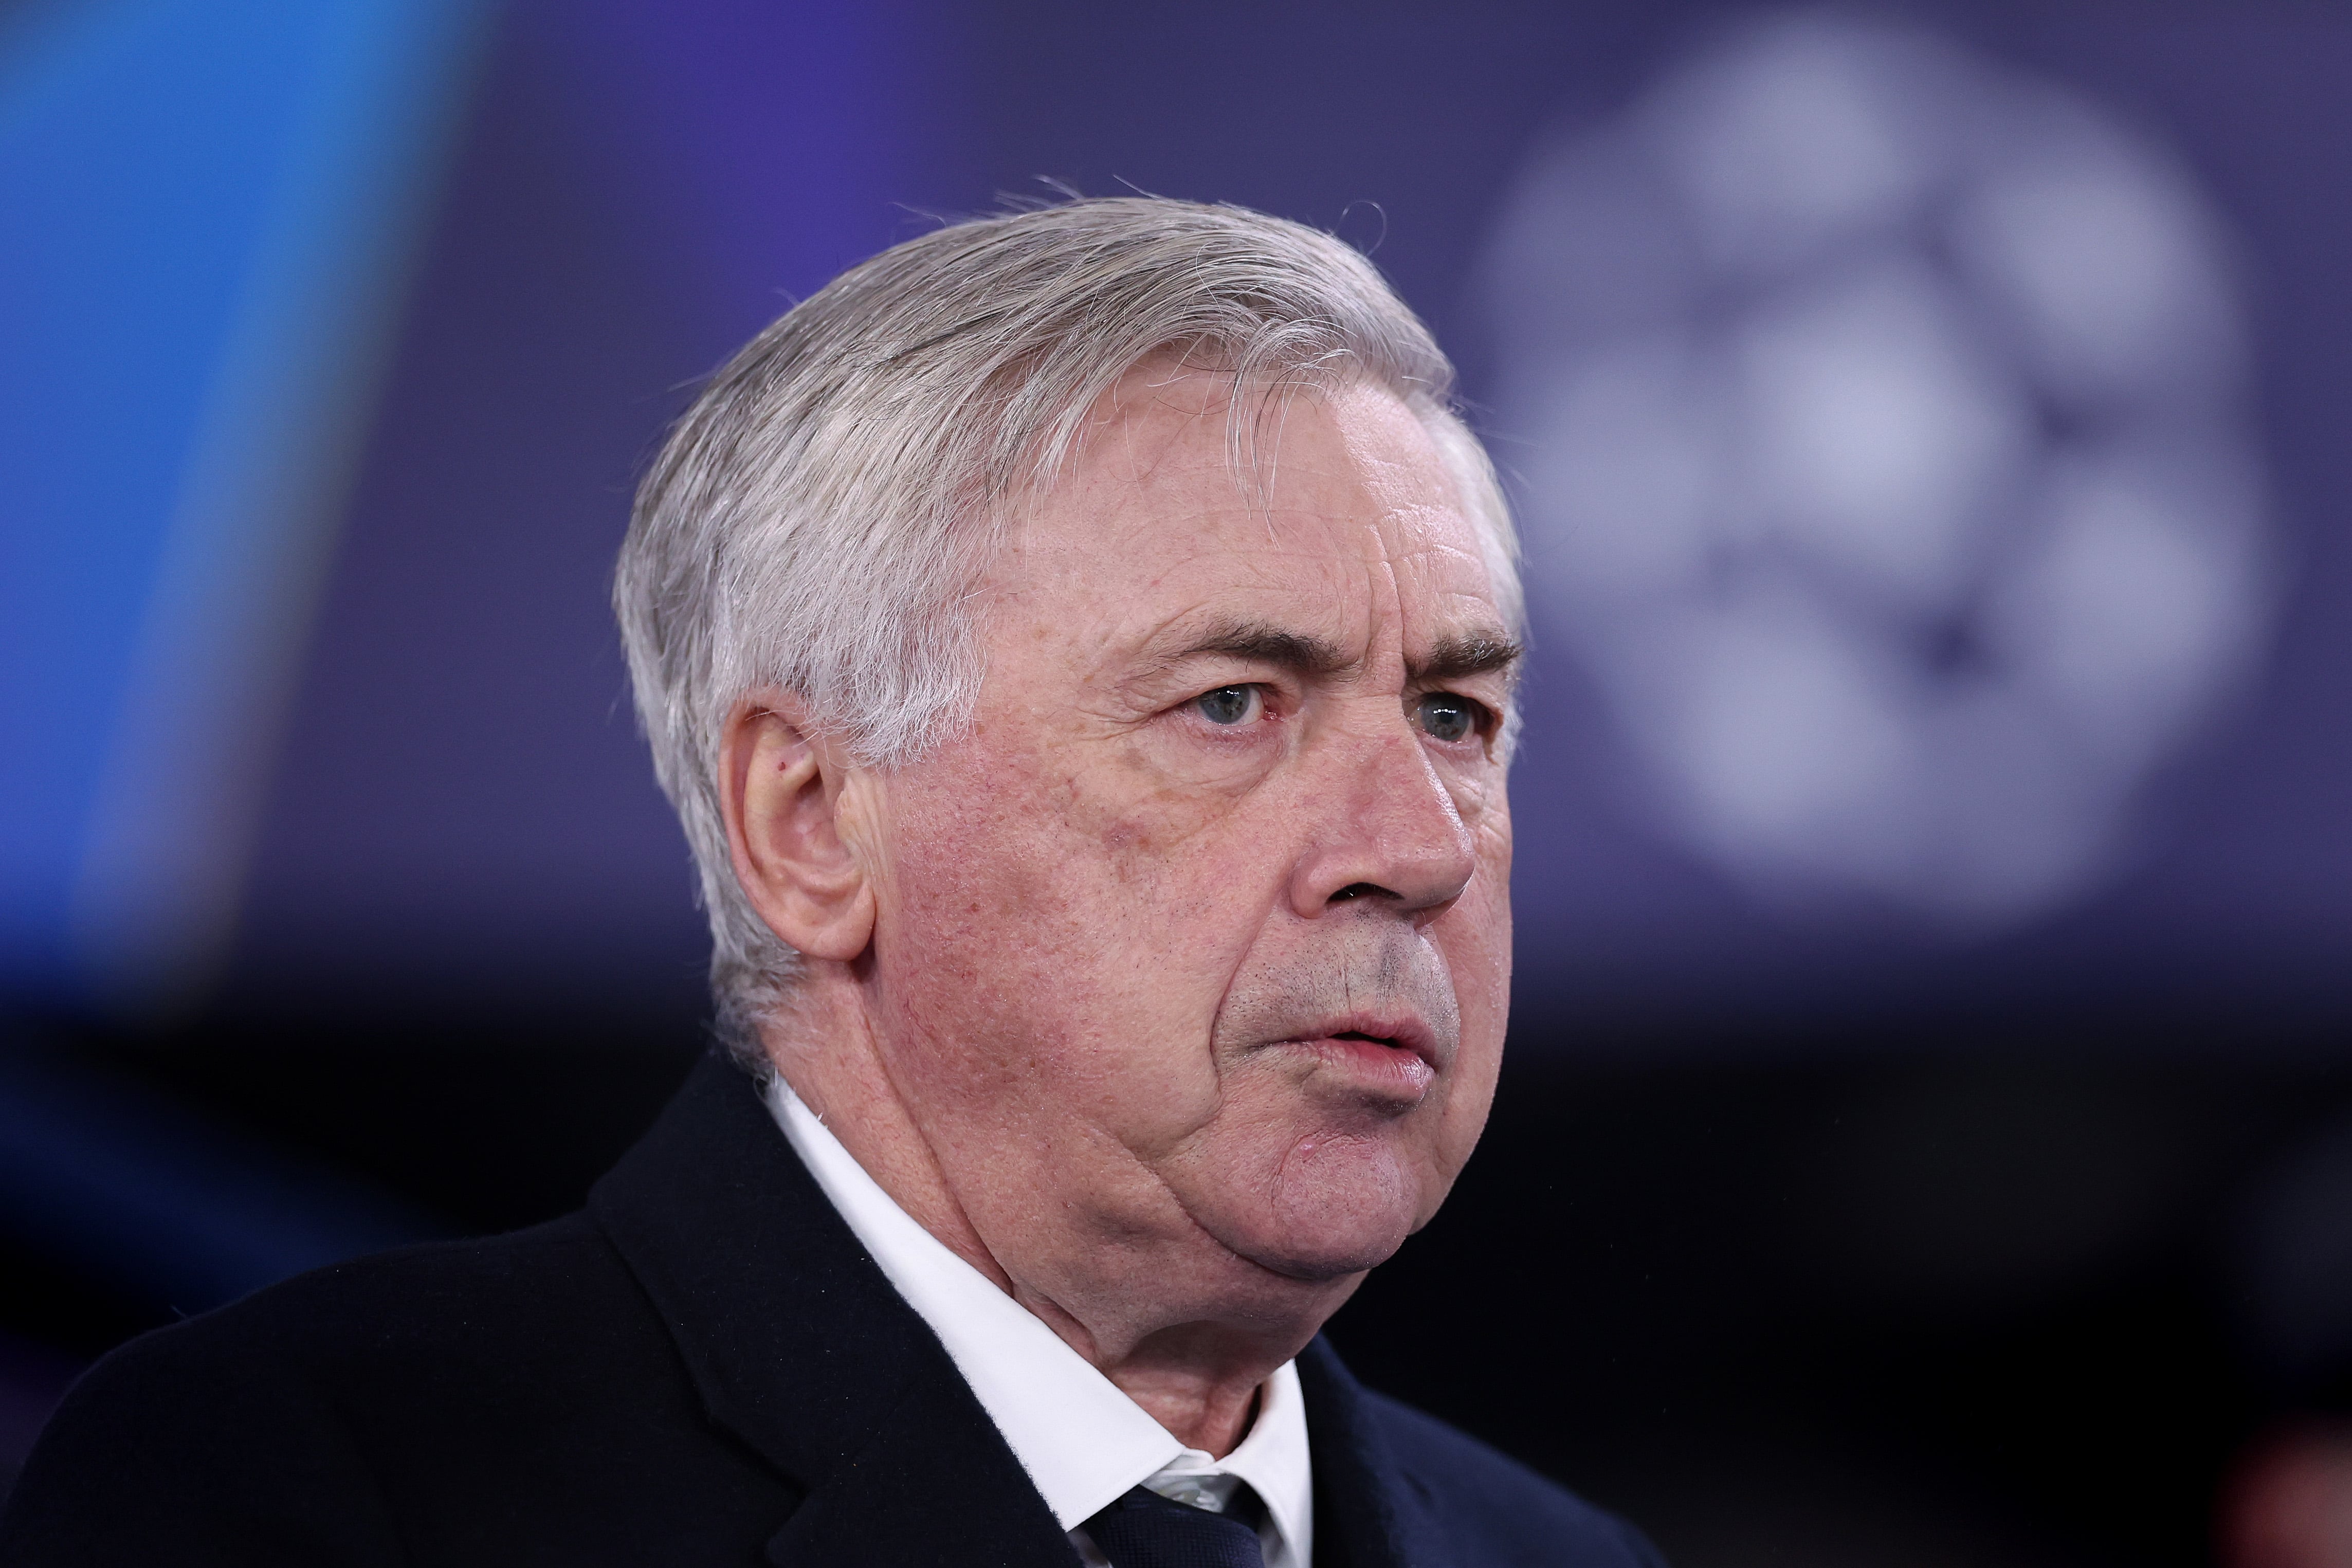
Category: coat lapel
[1370,1512]
[798,1344]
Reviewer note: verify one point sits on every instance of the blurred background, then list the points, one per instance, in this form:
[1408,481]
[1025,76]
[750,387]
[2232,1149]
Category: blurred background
[1928,1134]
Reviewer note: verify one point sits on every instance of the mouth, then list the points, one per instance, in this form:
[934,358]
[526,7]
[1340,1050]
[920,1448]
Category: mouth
[1389,1058]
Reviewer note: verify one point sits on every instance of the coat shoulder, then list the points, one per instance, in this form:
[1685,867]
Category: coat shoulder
[389,1317]
[410,1406]
[1496,1510]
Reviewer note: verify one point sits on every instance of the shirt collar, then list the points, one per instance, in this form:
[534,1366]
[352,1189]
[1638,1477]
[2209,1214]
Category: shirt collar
[1083,1442]
[1272,1458]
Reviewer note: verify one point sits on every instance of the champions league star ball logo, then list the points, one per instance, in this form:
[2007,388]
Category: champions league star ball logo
[1881,419]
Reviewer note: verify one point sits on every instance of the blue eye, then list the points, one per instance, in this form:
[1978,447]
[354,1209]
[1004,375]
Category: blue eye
[1446,716]
[1228,704]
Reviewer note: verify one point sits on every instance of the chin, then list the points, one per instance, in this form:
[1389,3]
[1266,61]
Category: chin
[1342,1252]
[1342,1203]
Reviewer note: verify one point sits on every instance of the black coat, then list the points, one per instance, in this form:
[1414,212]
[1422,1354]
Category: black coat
[702,1367]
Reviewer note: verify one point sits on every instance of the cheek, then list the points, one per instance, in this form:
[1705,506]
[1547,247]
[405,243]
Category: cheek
[1476,934]
[1083,869]
[1036,871]
[1007,952]
[1155,826]
[1475,937]
[963,934]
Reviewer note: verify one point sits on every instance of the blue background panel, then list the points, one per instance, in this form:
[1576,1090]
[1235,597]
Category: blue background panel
[206,206]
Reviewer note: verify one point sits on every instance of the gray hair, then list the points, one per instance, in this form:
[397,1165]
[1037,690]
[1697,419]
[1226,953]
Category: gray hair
[818,518]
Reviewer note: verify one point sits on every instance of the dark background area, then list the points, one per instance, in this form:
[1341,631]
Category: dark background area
[1938,1301]
[1801,1242]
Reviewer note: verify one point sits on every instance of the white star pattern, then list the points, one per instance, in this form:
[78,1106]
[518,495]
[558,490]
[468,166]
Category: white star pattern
[1882,418]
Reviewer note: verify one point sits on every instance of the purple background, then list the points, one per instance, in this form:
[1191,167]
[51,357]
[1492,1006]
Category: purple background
[461,803]
[1801,1242]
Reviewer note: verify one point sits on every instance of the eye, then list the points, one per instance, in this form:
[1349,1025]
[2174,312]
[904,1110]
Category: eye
[1446,716]
[1230,705]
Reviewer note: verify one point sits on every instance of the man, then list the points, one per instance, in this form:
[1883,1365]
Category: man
[1080,647]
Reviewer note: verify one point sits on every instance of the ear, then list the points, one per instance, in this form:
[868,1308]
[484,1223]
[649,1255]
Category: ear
[795,825]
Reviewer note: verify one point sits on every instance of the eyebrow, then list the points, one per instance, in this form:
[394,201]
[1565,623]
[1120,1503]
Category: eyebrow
[1261,644]
[1452,660]
[1454,657]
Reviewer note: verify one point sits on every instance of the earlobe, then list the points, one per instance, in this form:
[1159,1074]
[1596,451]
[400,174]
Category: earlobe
[792,826]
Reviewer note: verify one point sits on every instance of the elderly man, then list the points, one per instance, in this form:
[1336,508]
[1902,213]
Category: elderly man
[1080,646]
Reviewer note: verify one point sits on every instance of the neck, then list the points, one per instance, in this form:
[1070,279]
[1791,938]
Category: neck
[1194,1368]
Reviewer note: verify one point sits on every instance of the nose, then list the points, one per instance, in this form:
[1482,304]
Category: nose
[1383,827]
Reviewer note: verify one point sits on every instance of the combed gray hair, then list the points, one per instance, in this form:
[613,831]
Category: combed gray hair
[818,518]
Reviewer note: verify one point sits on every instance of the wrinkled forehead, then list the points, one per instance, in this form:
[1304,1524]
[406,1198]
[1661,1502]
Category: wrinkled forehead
[1184,491]
[1169,424]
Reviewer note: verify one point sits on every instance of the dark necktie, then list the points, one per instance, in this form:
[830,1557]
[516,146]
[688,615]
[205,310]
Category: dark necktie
[1144,1530]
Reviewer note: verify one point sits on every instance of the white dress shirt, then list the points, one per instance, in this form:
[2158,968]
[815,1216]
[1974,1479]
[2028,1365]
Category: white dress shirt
[1083,1442]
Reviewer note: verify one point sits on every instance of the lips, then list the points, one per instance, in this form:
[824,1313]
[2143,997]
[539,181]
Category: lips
[1399,1032]
[1390,1055]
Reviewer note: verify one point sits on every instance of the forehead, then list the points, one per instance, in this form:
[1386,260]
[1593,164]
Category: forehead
[1340,512]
